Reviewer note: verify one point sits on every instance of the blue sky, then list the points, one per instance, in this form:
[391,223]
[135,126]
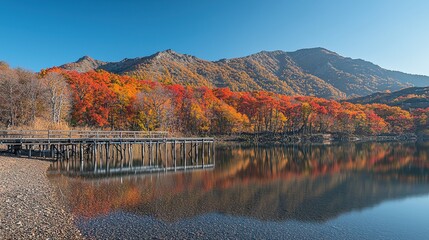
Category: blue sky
[38,34]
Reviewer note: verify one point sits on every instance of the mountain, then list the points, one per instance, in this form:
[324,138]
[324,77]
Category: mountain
[353,76]
[409,98]
[315,71]
[84,64]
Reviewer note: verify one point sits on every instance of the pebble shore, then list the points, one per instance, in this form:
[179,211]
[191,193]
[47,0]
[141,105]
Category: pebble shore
[30,207]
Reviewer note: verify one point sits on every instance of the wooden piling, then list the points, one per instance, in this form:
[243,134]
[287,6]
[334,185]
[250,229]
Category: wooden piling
[143,150]
[202,153]
[184,152]
[174,155]
[150,153]
[107,146]
[166,156]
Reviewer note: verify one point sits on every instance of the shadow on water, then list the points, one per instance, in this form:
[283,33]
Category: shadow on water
[305,183]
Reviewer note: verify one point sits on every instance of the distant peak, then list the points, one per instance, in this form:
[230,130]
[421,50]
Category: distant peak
[324,50]
[268,53]
[272,52]
[85,58]
[169,51]
[83,64]
[318,49]
[170,54]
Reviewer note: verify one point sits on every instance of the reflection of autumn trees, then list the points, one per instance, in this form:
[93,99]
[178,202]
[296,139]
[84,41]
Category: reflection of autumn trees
[300,182]
[305,159]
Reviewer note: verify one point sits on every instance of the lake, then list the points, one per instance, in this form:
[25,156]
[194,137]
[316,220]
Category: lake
[338,191]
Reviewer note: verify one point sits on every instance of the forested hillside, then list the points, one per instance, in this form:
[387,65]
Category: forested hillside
[103,100]
[312,72]
[409,98]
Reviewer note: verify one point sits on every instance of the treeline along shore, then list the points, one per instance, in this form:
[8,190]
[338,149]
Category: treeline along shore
[57,98]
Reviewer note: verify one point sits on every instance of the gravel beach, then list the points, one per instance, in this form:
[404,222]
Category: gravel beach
[29,203]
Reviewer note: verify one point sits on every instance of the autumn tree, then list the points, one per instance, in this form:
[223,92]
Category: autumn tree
[22,97]
[155,109]
[421,119]
[398,119]
[57,91]
[107,100]
[10,95]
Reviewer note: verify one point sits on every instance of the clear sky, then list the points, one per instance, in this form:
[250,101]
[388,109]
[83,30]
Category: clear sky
[38,34]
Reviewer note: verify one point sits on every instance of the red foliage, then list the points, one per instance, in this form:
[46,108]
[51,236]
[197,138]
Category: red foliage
[102,99]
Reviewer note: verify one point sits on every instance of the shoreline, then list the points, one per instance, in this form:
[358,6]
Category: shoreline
[324,139]
[30,206]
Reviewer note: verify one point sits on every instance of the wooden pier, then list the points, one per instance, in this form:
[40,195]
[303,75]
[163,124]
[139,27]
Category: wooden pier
[111,152]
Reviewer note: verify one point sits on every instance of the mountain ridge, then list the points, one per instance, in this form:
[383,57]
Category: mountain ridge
[408,98]
[312,71]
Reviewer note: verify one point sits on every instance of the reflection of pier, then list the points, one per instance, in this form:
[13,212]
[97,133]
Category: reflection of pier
[101,152]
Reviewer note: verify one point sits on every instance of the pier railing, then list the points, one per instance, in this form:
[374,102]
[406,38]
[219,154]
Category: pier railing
[111,152]
[78,134]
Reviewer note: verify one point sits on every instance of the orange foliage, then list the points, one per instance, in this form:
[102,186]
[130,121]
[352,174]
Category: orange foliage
[106,100]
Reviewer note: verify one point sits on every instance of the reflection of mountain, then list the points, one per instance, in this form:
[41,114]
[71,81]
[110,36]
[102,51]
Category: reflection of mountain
[302,183]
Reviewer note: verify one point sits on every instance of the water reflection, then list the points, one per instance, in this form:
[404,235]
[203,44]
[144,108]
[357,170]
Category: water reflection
[117,158]
[306,183]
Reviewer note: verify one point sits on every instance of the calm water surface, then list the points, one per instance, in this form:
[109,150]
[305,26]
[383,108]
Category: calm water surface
[343,191]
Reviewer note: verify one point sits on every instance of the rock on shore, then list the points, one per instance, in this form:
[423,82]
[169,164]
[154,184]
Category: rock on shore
[29,203]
